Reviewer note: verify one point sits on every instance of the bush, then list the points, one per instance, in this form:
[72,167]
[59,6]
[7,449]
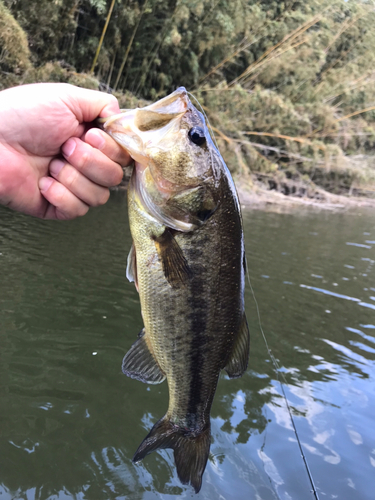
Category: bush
[14,50]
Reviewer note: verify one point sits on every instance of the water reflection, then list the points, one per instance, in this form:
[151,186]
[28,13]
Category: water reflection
[70,422]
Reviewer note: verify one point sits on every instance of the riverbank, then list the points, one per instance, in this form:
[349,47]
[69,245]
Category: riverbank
[258,197]
[291,108]
[255,196]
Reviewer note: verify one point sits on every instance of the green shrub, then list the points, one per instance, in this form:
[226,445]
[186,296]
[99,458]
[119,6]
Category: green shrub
[14,50]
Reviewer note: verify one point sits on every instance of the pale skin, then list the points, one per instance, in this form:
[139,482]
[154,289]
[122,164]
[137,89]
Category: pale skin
[52,164]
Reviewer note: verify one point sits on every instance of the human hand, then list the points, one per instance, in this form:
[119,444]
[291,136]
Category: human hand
[52,165]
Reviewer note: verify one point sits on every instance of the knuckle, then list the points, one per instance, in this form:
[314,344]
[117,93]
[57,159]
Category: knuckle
[84,161]
[118,176]
[59,197]
[103,197]
[71,177]
[112,100]
[72,212]
[61,215]
[82,210]
[68,206]
[121,156]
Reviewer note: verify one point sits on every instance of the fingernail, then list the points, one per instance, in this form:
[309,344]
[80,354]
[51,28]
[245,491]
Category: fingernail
[44,183]
[96,139]
[69,147]
[55,167]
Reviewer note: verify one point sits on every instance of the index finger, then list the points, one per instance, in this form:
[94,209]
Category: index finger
[102,141]
[87,104]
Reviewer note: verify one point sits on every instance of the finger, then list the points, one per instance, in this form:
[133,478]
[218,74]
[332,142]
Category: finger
[89,104]
[64,205]
[102,141]
[90,193]
[92,163]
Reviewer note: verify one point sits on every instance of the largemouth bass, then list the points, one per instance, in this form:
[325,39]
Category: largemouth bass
[188,264]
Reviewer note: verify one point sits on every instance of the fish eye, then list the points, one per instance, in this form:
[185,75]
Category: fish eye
[196,135]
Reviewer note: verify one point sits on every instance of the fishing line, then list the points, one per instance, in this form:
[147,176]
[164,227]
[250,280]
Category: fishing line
[273,359]
[206,117]
[208,122]
[278,372]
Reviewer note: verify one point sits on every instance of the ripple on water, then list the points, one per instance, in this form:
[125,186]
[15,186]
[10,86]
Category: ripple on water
[72,422]
[360,245]
[359,332]
[328,292]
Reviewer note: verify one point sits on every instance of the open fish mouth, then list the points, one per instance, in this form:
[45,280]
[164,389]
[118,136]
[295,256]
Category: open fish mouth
[137,129]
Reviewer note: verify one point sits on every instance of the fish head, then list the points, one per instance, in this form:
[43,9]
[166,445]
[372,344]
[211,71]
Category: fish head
[177,167]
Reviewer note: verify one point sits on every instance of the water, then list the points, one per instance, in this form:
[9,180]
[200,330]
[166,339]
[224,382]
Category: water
[70,421]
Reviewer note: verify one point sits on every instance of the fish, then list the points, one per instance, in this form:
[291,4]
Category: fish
[188,264]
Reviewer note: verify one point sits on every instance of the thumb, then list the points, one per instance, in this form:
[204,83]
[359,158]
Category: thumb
[90,104]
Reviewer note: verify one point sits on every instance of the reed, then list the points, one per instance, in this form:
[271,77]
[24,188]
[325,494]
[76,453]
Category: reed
[102,36]
[129,46]
[288,87]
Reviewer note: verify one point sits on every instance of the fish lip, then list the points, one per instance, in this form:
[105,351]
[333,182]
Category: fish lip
[168,101]
[158,106]
[106,122]
[180,92]
[123,128]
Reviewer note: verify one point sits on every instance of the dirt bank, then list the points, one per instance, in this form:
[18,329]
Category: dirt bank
[258,198]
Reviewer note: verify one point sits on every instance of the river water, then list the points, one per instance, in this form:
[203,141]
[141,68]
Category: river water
[70,421]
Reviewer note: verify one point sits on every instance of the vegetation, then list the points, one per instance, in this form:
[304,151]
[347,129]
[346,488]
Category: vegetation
[288,86]
[14,49]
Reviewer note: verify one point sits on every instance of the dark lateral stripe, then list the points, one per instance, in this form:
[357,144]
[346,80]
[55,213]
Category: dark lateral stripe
[198,323]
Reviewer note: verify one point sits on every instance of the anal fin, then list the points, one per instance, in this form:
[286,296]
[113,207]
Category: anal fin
[239,357]
[140,364]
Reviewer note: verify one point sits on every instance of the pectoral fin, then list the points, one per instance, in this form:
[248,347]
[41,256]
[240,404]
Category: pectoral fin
[139,363]
[239,357]
[175,266]
[131,268]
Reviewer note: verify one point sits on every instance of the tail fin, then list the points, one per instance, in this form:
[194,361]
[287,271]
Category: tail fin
[190,452]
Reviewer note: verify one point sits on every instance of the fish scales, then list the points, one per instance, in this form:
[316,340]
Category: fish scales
[198,321]
[188,264]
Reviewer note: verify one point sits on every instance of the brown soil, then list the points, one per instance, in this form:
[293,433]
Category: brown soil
[259,198]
